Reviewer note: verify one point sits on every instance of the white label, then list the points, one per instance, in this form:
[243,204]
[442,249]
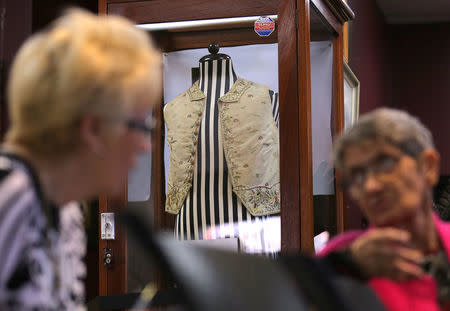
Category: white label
[107,226]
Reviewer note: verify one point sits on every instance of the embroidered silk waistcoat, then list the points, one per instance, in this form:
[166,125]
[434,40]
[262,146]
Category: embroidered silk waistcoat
[250,141]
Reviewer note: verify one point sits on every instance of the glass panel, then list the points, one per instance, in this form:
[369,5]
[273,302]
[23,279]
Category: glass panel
[322,129]
[322,116]
[139,179]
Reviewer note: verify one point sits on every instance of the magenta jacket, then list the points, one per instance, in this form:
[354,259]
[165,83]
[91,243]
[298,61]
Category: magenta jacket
[419,294]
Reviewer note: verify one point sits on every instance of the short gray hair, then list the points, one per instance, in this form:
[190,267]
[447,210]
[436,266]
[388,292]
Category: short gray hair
[395,127]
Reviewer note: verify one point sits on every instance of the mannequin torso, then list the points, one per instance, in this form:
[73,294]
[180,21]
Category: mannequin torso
[211,209]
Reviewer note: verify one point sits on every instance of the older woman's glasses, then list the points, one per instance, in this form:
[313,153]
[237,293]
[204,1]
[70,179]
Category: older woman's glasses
[146,126]
[382,164]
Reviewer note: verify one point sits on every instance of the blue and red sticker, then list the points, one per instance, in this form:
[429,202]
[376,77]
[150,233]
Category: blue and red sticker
[264,26]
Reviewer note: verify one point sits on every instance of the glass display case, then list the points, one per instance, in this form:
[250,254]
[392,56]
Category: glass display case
[297,70]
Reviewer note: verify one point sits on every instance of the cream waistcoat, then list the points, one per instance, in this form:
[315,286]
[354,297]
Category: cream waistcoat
[250,142]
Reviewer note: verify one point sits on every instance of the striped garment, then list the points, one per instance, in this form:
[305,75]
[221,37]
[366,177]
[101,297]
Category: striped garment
[212,210]
[41,252]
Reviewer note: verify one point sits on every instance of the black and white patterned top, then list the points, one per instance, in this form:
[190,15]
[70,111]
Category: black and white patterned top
[211,203]
[41,247]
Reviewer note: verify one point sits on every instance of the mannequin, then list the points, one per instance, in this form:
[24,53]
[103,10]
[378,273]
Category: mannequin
[211,203]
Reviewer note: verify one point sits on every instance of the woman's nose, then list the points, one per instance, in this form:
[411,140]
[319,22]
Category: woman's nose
[371,182]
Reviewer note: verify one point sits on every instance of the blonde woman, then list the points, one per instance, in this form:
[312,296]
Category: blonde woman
[79,97]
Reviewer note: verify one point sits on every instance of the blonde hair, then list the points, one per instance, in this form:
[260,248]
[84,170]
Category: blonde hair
[83,64]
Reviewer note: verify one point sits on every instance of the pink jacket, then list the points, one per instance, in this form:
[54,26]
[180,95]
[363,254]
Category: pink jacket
[419,294]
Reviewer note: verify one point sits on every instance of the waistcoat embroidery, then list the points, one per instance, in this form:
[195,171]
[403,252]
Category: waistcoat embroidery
[250,141]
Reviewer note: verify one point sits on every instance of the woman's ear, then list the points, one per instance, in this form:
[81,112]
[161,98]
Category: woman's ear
[90,134]
[430,165]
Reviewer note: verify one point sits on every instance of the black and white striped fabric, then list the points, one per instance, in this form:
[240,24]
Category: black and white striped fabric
[212,210]
[41,252]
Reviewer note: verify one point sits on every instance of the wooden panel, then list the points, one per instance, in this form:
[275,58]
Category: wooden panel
[339,118]
[340,10]
[329,20]
[117,1]
[102,6]
[174,41]
[320,30]
[158,169]
[113,281]
[289,127]
[304,116]
[179,10]
[345,39]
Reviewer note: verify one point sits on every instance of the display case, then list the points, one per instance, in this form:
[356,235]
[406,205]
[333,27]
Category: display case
[303,58]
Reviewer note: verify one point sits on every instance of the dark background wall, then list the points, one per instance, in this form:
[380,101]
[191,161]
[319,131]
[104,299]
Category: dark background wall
[421,78]
[369,56]
[15,27]
[403,66]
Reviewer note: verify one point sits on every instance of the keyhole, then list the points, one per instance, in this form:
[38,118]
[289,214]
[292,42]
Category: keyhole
[107,257]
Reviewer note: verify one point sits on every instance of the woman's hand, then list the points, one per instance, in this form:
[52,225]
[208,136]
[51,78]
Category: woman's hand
[386,252]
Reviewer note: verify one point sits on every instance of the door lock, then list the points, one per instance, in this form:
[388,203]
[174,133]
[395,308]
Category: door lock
[107,257]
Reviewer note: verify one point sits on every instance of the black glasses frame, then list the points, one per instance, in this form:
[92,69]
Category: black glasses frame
[146,126]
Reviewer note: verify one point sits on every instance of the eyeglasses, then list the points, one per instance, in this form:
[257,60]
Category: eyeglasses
[146,126]
[382,164]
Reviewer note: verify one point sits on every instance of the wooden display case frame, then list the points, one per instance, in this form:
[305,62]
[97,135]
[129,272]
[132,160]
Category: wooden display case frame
[299,23]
